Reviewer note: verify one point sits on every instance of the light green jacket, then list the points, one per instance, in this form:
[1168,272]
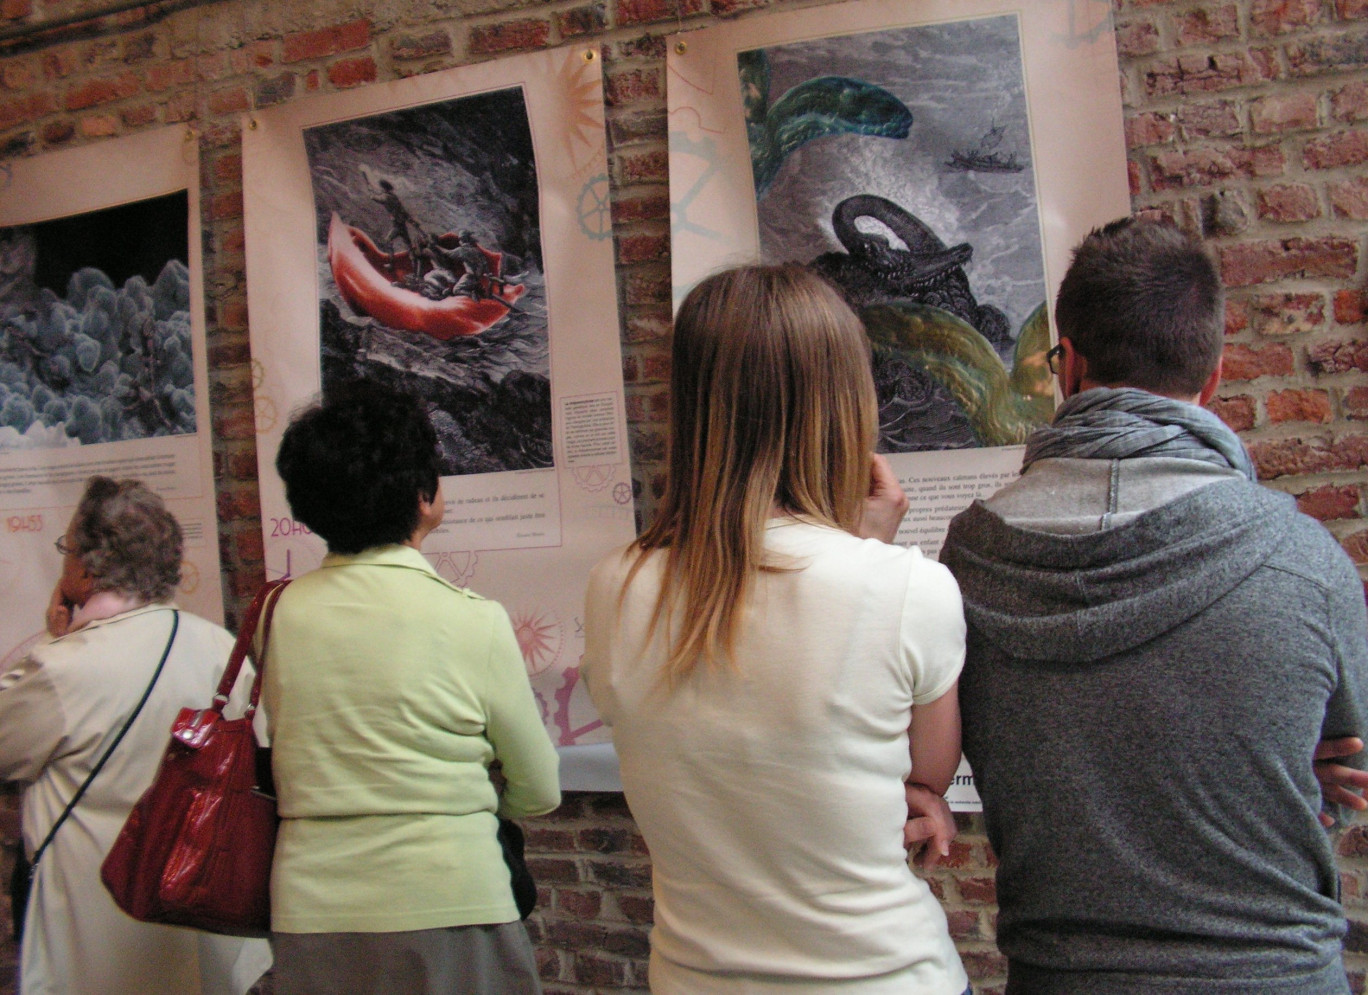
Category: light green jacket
[389,693]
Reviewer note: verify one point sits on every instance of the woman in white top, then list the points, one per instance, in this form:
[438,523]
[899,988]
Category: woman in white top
[774,681]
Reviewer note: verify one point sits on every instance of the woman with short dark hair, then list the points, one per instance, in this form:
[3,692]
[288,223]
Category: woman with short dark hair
[390,694]
[110,619]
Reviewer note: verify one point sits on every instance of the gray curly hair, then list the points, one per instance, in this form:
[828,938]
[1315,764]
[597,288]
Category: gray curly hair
[126,539]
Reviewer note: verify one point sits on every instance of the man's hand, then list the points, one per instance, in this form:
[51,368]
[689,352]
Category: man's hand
[1340,785]
[930,825]
[885,505]
[58,613]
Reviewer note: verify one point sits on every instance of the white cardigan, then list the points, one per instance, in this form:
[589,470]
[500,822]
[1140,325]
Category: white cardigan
[59,710]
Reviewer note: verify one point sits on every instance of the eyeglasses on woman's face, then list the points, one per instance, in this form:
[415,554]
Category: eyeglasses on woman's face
[63,547]
[1052,359]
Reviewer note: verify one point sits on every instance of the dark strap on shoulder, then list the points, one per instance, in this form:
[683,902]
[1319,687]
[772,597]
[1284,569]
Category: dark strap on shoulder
[38,853]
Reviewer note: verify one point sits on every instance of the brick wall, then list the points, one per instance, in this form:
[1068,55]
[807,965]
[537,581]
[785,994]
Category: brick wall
[1246,119]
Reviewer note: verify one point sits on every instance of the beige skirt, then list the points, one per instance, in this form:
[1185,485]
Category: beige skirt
[457,960]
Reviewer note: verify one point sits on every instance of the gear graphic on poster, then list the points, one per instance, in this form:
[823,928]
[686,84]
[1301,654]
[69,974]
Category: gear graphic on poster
[595,214]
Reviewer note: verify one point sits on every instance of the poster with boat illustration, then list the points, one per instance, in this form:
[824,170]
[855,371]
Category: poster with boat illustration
[449,234]
[102,358]
[938,160]
[429,224]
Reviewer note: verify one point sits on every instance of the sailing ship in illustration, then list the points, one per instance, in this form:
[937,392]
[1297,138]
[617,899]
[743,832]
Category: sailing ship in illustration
[986,158]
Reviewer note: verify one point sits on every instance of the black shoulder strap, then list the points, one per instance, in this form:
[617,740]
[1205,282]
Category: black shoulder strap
[38,853]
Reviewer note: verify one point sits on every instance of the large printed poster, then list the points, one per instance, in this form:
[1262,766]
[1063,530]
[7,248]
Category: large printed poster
[935,159]
[102,358]
[449,234]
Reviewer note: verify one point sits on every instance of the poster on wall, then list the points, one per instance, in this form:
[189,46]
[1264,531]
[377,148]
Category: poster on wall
[938,161]
[102,358]
[449,234]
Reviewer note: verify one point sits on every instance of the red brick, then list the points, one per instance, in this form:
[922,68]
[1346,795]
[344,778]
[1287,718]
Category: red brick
[1298,405]
[1133,178]
[326,41]
[1201,27]
[978,890]
[964,924]
[1283,112]
[510,36]
[1243,362]
[1354,403]
[1348,10]
[597,970]
[642,248]
[1356,545]
[1236,316]
[13,10]
[1350,103]
[234,100]
[1149,129]
[1330,503]
[1347,148]
[1288,202]
[1349,199]
[24,109]
[165,75]
[1341,356]
[1324,55]
[102,91]
[1247,263]
[138,117]
[17,75]
[633,85]
[58,132]
[645,11]
[636,909]
[423,46]
[1287,314]
[1237,412]
[1350,307]
[1210,119]
[644,167]
[726,8]
[99,126]
[1278,17]
[226,205]
[1209,72]
[589,19]
[1212,166]
[352,72]
[1291,457]
[579,904]
[60,62]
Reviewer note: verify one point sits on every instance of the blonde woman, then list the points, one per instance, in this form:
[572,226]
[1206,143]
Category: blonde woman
[773,679]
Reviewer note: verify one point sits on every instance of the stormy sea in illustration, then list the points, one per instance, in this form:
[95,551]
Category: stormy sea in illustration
[430,273]
[897,163]
[100,362]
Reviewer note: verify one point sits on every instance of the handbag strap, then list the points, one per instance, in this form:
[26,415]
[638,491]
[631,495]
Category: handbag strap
[99,765]
[242,649]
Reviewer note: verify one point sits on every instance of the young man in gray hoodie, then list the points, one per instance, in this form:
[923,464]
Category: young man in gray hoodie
[1156,646]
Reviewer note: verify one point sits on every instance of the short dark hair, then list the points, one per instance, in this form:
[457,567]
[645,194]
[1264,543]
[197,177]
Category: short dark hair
[1142,302]
[126,539]
[356,463]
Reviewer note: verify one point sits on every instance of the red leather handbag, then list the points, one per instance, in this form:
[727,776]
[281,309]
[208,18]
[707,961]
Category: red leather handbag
[196,849]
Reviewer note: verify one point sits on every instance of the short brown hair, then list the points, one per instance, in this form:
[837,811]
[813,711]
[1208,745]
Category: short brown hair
[1143,303]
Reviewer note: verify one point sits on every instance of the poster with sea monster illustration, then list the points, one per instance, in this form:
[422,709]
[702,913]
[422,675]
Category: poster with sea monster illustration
[102,358]
[449,234]
[938,161]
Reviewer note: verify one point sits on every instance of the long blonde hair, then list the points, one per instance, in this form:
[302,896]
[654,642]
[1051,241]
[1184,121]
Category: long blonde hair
[771,404]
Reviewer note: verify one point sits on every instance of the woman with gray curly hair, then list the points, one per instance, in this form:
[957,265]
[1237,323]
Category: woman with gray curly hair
[110,622]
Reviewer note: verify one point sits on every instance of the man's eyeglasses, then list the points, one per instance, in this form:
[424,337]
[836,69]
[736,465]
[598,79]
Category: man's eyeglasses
[63,546]
[1052,359]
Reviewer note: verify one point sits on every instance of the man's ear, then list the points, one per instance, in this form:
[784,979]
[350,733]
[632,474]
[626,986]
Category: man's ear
[1073,368]
[1209,388]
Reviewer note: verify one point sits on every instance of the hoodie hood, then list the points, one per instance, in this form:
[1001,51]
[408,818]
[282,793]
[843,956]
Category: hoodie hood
[1080,598]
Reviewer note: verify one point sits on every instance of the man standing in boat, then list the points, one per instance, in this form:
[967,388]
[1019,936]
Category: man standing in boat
[402,225]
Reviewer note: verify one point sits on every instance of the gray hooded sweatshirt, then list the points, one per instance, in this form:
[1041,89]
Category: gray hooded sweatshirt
[1141,701]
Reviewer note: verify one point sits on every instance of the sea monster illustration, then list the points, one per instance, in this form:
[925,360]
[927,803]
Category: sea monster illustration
[872,271]
[815,108]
